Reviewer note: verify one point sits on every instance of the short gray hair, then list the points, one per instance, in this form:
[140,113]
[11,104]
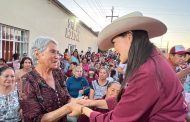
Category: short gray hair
[106,69]
[40,43]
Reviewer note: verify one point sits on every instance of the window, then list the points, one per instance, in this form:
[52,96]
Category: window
[13,40]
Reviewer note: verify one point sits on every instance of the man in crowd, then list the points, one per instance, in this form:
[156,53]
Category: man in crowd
[178,61]
[177,56]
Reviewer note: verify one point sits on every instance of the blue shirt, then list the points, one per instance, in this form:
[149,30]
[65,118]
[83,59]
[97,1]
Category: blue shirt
[74,59]
[67,65]
[76,84]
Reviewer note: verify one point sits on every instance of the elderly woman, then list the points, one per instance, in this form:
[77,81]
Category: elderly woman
[43,98]
[113,89]
[77,85]
[151,90]
[9,103]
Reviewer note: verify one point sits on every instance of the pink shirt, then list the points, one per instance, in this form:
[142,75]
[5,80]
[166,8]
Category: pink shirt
[153,94]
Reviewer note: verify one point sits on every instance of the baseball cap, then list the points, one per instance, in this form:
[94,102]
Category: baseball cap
[178,49]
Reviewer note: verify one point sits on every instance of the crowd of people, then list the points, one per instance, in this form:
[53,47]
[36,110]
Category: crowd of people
[49,80]
[135,83]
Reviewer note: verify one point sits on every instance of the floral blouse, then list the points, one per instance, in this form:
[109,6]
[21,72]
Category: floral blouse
[9,107]
[38,98]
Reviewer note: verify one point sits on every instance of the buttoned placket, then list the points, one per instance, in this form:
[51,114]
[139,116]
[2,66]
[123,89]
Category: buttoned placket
[58,99]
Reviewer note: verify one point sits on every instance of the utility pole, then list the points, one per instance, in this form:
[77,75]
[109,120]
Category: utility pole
[167,46]
[112,16]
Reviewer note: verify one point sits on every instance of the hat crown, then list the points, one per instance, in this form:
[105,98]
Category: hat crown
[130,22]
[133,14]
[179,48]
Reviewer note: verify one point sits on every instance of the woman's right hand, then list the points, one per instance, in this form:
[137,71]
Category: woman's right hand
[85,102]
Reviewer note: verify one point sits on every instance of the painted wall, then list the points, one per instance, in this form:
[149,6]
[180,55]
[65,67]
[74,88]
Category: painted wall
[44,18]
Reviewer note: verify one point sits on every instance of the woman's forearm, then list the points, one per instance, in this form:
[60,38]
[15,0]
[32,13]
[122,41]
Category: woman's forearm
[56,114]
[86,111]
[91,94]
[99,104]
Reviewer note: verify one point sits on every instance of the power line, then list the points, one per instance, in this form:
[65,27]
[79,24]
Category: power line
[93,9]
[101,7]
[88,14]
[99,10]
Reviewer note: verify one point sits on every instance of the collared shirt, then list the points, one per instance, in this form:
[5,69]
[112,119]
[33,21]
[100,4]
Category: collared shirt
[38,98]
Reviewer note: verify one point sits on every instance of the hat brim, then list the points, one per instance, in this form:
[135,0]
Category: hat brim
[154,28]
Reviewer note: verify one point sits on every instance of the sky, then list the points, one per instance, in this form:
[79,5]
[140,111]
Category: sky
[174,13]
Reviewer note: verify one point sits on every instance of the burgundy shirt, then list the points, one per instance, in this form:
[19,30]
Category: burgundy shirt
[84,118]
[38,98]
[153,94]
[68,73]
[90,80]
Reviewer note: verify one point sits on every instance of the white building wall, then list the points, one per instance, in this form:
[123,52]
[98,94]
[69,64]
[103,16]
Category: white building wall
[43,18]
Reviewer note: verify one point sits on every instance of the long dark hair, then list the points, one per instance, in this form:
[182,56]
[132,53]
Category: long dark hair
[140,50]
[22,62]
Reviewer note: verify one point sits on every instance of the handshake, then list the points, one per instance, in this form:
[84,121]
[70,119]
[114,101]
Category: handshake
[80,106]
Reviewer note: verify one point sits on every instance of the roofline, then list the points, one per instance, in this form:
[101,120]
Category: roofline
[59,4]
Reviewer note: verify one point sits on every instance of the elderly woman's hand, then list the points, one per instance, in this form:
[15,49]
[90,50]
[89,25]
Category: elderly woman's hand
[76,109]
[75,100]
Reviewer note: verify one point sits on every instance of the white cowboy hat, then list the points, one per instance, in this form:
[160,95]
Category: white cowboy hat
[132,21]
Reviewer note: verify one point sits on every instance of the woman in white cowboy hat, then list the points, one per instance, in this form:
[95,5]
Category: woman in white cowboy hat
[151,90]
